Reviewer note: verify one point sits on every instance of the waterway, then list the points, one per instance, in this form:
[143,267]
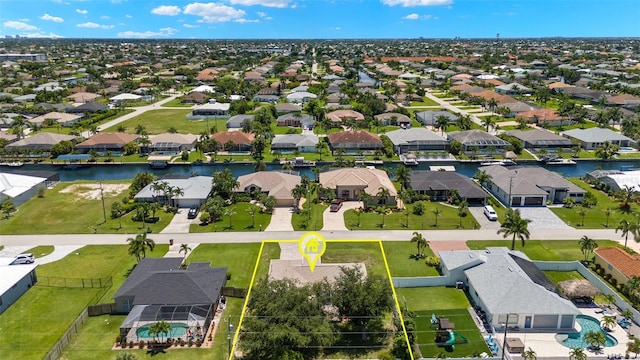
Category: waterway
[128,171]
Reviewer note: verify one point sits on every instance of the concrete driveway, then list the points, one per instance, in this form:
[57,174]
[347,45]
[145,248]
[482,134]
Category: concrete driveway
[335,220]
[59,252]
[543,218]
[485,224]
[180,224]
[280,220]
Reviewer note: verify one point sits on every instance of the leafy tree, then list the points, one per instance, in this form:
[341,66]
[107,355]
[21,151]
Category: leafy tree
[420,241]
[61,148]
[403,176]
[140,181]
[224,183]
[587,245]
[516,226]
[595,339]
[577,354]
[7,207]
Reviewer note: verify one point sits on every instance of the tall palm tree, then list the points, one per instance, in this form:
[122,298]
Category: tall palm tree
[298,192]
[383,195]
[587,245]
[403,176]
[632,287]
[482,177]
[463,208]
[595,339]
[625,197]
[176,192]
[606,150]
[516,226]
[488,121]
[159,328]
[229,212]
[443,122]
[135,247]
[436,212]
[147,243]
[608,322]
[420,241]
[184,248]
[365,198]
[577,354]
[627,228]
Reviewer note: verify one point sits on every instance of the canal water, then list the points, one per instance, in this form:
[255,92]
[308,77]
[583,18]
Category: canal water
[128,171]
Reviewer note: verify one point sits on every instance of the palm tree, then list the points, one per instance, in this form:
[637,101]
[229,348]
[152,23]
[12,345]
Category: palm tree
[443,122]
[595,339]
[403,176]
[436,212]
[146,242]
[610,299]
[634,347]
[383,195]
[606,151]
[176,192]
[607,213]
[184,248]
[463,208]
[515,225]
[632,286]
[627,228]
[582,211]
[135,247]
[625,197]
[365,198]
[482,177]
[488,121]
[298,193]
[577,354]
[608,322]
[229,212]
[587,245]
[159,328]
[493,104]
[252,212]
[420,241]
[529,355]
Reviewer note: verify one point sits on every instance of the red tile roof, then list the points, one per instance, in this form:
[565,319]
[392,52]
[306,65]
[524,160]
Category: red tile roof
[627,264]
[238,137]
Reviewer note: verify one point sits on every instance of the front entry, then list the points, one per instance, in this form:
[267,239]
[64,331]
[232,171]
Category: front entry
[527,322]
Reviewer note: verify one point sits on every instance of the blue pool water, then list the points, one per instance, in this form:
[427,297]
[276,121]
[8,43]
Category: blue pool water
[626,148]
[587,324]
[177,330]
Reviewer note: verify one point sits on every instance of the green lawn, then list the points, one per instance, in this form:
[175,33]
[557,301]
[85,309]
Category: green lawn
[396,220]
[241,221]
[443,302]
[159,121]
[32,325]
[177,102]
[354,251]
[40,251]
[239,258]
[75,213]
[301,221]
[595,217]
[402,264]
[547,250]
[558,276]
[425,102]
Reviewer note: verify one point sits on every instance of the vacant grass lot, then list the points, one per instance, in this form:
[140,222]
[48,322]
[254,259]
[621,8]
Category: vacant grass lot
[159,121]
[402,264]
[446,302]
[74,214]
[239,258]
[32,325]
[425,102]
[595,217]
[549,250]
[356,252]
[448,219]
[240,221]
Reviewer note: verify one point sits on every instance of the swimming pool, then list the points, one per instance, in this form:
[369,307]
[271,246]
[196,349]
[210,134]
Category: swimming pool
[587,324]
[626,148]
[177,330]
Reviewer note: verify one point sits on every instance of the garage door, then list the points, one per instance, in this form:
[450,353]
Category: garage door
[545,322]
[533,201]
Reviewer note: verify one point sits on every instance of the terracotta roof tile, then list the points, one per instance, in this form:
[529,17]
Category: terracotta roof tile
[627,264]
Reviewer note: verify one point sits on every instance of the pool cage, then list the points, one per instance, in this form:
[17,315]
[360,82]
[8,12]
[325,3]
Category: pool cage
[194,319]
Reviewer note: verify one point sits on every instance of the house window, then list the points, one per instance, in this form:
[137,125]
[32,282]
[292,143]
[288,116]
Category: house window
[609,266]
[127,304]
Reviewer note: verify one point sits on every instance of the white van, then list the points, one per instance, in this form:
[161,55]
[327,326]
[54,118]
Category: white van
[490,213]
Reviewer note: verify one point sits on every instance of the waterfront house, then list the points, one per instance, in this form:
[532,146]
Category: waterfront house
[592,138]
[304,143]
[348,183]
[416,139]
[103,142]
[354,141]
[273,183]
[438,185]
[196,191]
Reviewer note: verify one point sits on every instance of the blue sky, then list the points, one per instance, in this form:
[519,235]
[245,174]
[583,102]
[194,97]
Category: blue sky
[231,19]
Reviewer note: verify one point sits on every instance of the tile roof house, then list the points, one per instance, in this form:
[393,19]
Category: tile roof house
[212,109]
[295,120]
[430,118]
[545,116]
[477,138]
[196,191]
[304,143]
[617,262]
[168,144]
[592,138]
[340,116]
[416,139]
[82,97]
[236,121]
[63,119]
[539,138]
[393,118]
[159,289]
[349,183]
[43,141]
[530,186]
[273,183]
[284,108]
[106,142]
[242,141]
[501,282]
[353,141]
[438,185]
[195,97]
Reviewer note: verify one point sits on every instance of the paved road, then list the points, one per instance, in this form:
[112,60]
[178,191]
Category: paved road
[445,105]
[138,111]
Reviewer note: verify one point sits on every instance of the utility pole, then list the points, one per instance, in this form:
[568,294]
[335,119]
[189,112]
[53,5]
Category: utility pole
[230,330]
[104,210]
[504,341]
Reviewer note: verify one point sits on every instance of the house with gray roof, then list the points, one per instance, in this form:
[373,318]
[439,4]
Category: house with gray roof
[530,186]
[304,143]
[171,144]
[479,139]
[273,183]
[512,89]
[43,141]
[235,122]
[519,107]
[430,118]
[539,139]
[196,191]
[438,185]
[592,138]
[300,120]
[393,118]
[159,289]
[502,281]
[416,139]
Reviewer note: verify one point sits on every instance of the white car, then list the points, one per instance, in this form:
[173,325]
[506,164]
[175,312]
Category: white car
[490,213]
[24,259]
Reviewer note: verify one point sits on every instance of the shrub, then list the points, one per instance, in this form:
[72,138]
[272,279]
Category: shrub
[190,343]
[118,340]
[228,276]
[198,342]
[141,344]
[182,342]
[613,281]
[131,344]
[418,209]
[433,261]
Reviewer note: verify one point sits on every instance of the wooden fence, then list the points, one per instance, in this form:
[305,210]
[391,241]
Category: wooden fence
[229,291]
[101,309]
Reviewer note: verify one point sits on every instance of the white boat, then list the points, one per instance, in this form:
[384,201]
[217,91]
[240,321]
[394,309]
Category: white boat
[505,162]
[560,161]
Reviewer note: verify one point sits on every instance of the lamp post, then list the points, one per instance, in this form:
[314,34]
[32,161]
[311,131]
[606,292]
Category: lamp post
[509,198]
[230,330]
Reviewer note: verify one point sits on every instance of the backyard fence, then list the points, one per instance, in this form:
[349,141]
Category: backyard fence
[100,283]
[101,309]
[421,281]
[234,292]
[66,338]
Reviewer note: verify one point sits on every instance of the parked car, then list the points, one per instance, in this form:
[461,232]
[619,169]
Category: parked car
[336,204]
[24,259]
[490,213]
[193,212]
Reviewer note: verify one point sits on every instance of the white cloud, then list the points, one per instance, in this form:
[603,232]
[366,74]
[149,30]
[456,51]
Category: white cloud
[19,25]
[261,14]
[105,17]
[214,12]
[147,34]
[92,25]
[246,21]
[412,16]
[167,10]
[42,35]
[265,3]
[83,12]
[128,16]
[48,17]
[189,26]
[410,3]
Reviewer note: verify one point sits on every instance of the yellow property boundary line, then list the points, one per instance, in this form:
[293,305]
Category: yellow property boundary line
[255,270]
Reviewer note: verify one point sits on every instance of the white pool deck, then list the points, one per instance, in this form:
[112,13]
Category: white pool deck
[546,346]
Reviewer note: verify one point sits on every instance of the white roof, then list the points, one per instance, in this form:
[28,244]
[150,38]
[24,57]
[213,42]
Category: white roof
[125,96]
[627,178]
[215,106]
[302,95]
[13,185]
[203,89]
[11,274]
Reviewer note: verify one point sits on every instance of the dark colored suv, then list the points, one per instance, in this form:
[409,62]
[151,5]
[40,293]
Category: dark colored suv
[193,212]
